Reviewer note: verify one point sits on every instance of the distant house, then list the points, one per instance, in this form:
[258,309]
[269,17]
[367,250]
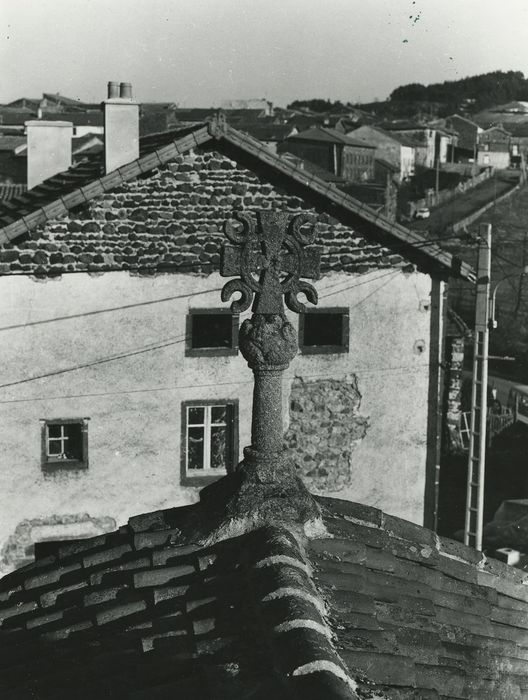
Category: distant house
[260,104]
[12,165]
[349,158]
[394,148]
[494,147]
[384,171]
[269,133]
[468,135]
[446,141]
[12,121]
[155,117]
[83,122]
[423,137]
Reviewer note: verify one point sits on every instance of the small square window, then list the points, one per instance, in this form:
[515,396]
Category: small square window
[64,444]
[209,440]
[323,331]
[212,332]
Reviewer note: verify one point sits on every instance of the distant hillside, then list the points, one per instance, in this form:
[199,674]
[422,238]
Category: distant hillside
[476,92]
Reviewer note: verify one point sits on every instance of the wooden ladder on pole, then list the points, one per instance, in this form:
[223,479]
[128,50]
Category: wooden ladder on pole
[479,399]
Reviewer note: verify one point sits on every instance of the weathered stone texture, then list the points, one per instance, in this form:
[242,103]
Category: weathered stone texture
[325,426]
[19,549]
[172,219]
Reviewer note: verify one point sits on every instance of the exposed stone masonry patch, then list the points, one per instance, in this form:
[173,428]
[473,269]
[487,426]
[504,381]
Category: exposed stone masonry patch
[325,426]
[173,219]
[19,548]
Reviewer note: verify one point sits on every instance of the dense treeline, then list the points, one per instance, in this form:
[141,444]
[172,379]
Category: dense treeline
[485,90]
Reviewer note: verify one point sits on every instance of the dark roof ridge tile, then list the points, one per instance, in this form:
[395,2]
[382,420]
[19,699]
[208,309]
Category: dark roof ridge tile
[293,614]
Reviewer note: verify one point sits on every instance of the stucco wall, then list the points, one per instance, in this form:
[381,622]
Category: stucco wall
[66,331]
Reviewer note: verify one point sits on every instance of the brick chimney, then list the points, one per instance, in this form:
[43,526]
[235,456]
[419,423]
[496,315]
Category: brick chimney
[49,149]
[121,126]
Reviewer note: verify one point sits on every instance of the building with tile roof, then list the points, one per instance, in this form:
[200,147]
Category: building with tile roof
[331,150]
[122,389]
[468,134]
[393,147]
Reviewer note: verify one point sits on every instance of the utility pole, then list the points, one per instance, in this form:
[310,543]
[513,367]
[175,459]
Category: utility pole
[479,398]
[437,179]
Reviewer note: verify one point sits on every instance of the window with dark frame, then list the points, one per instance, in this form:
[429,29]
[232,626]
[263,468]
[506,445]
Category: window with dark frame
[209,439]
[212,332]
[323,331]
[64,444]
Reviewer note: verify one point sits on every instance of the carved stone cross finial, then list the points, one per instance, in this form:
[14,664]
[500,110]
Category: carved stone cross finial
[271,256]
[263,250]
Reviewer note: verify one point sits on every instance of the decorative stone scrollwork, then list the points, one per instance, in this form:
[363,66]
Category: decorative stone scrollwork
[270,256]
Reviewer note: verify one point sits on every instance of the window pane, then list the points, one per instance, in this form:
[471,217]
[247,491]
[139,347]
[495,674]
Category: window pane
[211,331]
[219,414]
[54,431]
[73,445]
[219,447]
[196,415]
[54,447]
[195,448]
[323,329]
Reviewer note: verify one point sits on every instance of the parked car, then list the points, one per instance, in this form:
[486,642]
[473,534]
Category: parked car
[422,213]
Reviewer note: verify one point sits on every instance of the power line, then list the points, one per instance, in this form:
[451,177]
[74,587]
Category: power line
[109,310]
[322,375]
[167,343]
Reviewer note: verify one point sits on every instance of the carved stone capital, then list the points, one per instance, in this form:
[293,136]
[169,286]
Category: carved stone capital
[267,342]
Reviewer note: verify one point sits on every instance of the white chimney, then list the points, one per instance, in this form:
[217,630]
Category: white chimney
[121,126]
[49,150]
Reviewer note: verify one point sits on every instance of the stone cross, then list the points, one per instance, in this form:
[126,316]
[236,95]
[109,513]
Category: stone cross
[270,255]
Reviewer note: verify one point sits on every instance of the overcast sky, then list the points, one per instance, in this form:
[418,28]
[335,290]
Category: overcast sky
[201,52]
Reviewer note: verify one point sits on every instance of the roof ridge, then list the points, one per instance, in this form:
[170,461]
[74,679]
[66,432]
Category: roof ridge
[351,204]
[219,129]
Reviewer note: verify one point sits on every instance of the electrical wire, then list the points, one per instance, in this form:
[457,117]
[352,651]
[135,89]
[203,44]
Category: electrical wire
[167,343]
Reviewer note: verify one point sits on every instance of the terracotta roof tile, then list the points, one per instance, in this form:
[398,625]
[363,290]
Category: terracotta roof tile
[378,605]
[417,613]
[226,620]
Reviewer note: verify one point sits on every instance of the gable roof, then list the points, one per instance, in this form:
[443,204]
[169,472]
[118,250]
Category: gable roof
[371,606]
[328,135]
[92,118]
[267,131]
[402,139]
[465,120]
[10,143]
[74,103]
[81,183]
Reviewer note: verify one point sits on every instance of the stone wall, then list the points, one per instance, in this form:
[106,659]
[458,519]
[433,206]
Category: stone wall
[325,426]
[172,220]
[20,546]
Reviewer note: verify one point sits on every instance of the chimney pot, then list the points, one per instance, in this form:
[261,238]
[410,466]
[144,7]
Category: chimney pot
[125,91]
[113,90]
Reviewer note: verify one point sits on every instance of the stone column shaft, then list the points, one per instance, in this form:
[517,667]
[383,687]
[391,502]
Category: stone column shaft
[266,426]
